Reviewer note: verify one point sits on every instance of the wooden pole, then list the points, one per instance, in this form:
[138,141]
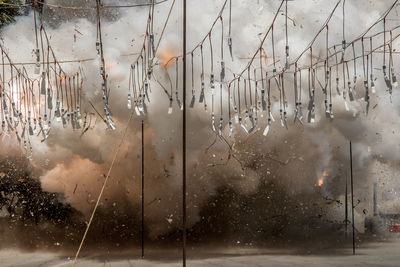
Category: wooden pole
[142,228]
[352,198]
[184,141]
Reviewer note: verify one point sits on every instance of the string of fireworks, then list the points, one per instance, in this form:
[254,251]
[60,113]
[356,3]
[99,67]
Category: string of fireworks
[199,45]
[67,108]
[209,32]
[72,113]
[125,131]
[104,85]
[331,55]
[137,69]
[29,113]
[250,120]
[11,104]
[313,67]
[68,89]
[390,81]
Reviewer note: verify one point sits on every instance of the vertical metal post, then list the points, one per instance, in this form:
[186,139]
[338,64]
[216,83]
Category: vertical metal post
[142,228]
[346,206]
[352,198]
[184,141]
[375,201]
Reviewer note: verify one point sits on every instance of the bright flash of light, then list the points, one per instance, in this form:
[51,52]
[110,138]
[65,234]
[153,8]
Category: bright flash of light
[321,179]
[167,58]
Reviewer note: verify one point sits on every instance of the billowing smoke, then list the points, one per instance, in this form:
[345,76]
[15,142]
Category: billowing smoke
[295,160]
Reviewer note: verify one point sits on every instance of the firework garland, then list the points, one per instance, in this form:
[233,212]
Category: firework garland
[29,106]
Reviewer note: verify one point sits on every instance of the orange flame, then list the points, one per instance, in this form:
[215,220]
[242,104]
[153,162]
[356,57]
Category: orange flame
[167,58]
[110,64]
[264,56]
[322,178]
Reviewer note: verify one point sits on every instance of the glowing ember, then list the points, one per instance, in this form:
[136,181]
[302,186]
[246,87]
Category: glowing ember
[322,178]
[110,64]
[166,58]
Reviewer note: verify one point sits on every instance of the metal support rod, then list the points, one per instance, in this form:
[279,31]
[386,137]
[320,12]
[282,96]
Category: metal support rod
[346,212]
[142,229]
[184,141]
[352,198]
[375,201]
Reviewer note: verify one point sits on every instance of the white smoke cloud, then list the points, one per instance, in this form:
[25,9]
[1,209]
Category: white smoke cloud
[76,166]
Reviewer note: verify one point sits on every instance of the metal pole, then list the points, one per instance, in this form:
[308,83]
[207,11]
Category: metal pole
[184,141]
[142,232]
[375,201]
[352,198]
[346,205]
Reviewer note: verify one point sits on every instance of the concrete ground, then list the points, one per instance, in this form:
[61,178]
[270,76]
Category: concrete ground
[374,254]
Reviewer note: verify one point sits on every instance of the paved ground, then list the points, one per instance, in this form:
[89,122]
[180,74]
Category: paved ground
[376,254]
